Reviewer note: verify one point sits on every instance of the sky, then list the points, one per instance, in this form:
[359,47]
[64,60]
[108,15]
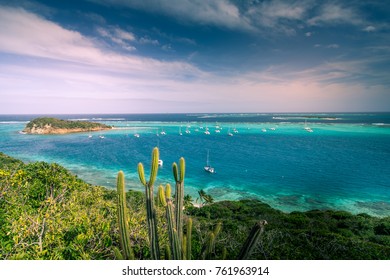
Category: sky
[194,56]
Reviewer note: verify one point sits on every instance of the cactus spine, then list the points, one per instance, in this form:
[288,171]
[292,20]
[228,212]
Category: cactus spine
[150,210]
[251,241]
[122,219]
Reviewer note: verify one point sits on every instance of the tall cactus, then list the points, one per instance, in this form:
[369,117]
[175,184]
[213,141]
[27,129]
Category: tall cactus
[251,240]
[150,210]
[174,241]
[122,218]
[179,195]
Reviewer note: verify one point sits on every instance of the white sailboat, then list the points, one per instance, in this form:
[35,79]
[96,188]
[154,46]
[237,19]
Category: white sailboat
[208,168]
[308,129]
[160,161]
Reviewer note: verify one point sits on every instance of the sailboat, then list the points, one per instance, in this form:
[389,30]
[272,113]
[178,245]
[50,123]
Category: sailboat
[160,161]
[308,129]
[208,168]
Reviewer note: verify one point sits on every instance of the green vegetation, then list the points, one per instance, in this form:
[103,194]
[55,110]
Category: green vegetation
[50,125]
[48,213]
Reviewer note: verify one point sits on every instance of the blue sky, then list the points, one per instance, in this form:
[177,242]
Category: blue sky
[178,56]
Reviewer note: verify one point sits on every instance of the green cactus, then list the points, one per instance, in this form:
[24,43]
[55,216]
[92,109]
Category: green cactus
[179,246]
[161,196]
[174,241]
[168,191]
[179,196]
[208,246]
[251,240]
[168,254]
[122,219]
[150,210]
[184,247]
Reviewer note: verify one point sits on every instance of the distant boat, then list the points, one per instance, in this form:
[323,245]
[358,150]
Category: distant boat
[163,132]
[207,131]
[208,168]
[308,129]
[229,133]
[101,137]
[180,133]
[264,130]
[136,135]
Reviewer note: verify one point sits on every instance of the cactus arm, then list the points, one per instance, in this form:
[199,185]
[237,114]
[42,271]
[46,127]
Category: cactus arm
[141,174]
[154,168]
[161,196]
[182,164]
[175,172]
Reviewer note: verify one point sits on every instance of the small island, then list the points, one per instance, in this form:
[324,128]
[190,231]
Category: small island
[48,125]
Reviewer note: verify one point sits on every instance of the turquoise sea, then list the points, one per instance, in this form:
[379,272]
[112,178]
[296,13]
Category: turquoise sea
[342,163]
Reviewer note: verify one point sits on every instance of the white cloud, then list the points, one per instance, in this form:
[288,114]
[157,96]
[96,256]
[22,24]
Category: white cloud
[281,16]
[335,14]
[369,28]
[333,46]
[216,12]
[118,36]
[25,33]
[147,40]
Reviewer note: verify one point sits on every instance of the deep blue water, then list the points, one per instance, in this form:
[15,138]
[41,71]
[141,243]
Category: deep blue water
[343,164]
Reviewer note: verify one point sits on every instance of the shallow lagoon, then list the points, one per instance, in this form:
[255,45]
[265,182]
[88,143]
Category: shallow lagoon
[343,164]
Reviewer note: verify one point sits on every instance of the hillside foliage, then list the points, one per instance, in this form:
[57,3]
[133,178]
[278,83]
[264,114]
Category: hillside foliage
[48,213]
